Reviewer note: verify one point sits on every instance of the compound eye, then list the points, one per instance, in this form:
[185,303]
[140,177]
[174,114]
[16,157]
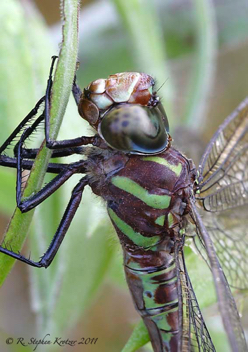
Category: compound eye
[135,129]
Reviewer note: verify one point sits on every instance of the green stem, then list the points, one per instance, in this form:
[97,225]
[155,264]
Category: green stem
[138,338]
[64,75]
[203,70]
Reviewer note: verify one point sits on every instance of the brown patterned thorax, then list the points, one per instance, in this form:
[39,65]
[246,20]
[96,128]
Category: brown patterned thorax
[154,178]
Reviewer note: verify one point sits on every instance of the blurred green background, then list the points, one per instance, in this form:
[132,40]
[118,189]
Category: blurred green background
[198,52]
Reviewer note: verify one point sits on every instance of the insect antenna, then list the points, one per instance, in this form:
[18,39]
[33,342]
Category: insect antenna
[161,85]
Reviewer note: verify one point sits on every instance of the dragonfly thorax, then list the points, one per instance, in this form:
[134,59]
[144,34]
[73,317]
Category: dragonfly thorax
[147,206]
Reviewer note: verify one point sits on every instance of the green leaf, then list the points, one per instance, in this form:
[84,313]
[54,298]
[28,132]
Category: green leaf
[7,193]
[203,70]
[139,338]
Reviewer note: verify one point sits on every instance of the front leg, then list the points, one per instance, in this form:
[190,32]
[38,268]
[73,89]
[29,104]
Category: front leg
[22,124]
[37,198]
[76,91]
[69,213]
[69,143]
[54,168]
[31,153]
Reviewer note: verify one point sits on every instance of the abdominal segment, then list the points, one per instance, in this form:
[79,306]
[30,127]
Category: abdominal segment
[155,293]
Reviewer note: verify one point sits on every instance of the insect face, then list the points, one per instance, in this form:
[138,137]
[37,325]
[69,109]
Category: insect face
[135,129]
[102,94]
[126,113]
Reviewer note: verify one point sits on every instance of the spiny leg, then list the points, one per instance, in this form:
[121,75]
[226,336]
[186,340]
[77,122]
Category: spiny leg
[66,171]
[76,91]
[27,164]
[54,168]
[47,190]
[51,187]
[31,153]
[69,143]
[69,213]
[32,113]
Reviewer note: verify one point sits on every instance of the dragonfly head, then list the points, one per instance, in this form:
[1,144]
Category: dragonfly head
[126,113]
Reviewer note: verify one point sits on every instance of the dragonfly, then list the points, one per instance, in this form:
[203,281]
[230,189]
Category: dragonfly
[156,199]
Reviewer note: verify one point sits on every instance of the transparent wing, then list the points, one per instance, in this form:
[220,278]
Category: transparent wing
[223,193]
[226,303]
[195,336]
[223,171]
[229,233]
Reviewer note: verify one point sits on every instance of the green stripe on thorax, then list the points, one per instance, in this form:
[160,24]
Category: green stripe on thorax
[156,159]
[135,237]
[160,220]
[153,200]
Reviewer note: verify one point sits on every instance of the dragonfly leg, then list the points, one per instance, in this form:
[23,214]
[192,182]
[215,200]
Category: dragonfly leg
[71,145]
[32,152]
[76,91]
[53,144]
[54,168]
[31,202]
[69,213]
[22,124]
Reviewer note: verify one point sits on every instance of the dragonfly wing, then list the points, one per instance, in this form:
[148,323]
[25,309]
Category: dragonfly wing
[227,305]
[195,336]
[229,234]
[223,193]
[223,170]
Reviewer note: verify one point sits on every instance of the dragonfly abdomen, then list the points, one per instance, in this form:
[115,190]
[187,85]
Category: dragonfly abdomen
[155,293]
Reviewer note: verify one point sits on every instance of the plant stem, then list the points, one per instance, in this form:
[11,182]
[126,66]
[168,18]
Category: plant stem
[203,70]
[64,75]
[148,47]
